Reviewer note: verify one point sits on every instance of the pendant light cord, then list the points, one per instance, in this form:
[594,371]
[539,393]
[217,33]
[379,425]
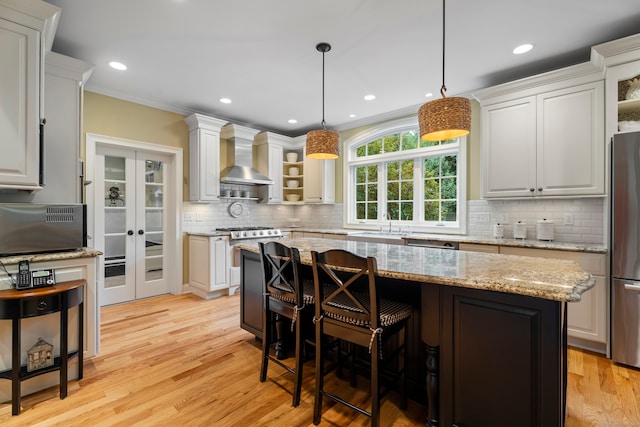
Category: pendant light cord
[324,124]
[443,89]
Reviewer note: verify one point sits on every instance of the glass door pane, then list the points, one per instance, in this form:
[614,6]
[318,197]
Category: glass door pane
[153,218]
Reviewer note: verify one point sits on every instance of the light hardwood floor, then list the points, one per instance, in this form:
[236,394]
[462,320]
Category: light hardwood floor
[183,361]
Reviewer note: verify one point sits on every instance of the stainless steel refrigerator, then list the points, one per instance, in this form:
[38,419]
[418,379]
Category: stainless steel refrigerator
[625,248]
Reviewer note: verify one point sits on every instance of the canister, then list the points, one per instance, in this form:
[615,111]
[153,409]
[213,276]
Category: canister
[544,229]
[520,230]
[498,231]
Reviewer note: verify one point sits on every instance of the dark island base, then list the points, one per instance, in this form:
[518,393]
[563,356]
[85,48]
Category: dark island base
[477,358]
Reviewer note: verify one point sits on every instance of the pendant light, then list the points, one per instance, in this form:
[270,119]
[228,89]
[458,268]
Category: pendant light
[323,144]
[445,118]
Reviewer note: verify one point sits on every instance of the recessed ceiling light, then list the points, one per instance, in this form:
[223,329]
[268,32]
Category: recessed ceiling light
[352,115]
[369,97]
[225,100]
[292,121]
[117,65]
[523,48]
[428,94]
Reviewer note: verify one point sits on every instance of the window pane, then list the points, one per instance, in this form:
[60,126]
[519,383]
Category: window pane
[361,174]
[431,189]
[449,141]
[374,147]
[393,210]
[432,167]
[407,170]
[428,143]
[373,173]
[360,210]
[410,140]
[393,172]
[372,211]
[406,209]
[449,188]
[372,192]
[431,211]
[449,165]
[361,151]
[393,191]
[361,193]
[407,190]
[449,211]
[392,143]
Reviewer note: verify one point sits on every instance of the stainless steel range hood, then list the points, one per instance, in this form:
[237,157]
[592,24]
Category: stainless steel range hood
[242,171]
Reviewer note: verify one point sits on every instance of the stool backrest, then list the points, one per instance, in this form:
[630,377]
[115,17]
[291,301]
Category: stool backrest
[280,267]
[345,286]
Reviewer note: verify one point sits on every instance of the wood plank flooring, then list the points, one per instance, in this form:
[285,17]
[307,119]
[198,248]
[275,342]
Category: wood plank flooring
[183,361]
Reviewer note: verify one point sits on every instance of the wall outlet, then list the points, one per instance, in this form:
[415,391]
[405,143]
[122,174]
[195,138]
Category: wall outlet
[568,219]
[187,216]
[502,218]
[483,218]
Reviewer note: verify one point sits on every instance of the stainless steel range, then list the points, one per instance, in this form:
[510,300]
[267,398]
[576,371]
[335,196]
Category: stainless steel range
[243,235]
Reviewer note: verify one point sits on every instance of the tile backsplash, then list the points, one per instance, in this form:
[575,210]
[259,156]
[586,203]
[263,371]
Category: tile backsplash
[575,220]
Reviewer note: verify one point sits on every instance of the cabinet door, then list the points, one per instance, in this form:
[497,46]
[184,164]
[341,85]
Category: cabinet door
[204,153]
[275,173]
[20,106]
[570,147]
[319,181]
[509,148]
[219,261]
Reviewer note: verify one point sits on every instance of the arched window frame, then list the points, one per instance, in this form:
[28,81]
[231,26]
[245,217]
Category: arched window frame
[351,161]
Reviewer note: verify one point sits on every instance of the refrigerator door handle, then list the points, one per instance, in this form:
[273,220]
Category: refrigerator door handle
[632,287]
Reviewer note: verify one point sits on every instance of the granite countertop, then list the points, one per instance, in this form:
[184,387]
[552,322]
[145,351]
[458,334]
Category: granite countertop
[51,256]
[551,279]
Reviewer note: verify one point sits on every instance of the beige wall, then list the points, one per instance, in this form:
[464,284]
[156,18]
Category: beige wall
[104,115]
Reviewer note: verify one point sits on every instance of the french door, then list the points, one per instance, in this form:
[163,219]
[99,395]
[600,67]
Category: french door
[130,218]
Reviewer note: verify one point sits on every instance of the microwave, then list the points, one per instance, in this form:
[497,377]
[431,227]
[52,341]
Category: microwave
[27,228]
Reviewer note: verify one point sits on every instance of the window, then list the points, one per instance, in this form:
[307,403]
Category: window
[393,177]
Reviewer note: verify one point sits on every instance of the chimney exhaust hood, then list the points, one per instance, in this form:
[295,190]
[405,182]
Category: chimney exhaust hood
[242,171]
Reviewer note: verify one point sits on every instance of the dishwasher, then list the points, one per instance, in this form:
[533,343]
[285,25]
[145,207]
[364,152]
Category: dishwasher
[437,244]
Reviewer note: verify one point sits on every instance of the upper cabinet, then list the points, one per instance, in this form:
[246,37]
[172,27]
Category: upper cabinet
[204,157]
[269,152]
[319,181]
[544,135]
[26,33]
[622,61]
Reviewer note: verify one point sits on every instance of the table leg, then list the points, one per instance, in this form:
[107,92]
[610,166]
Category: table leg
[15,368]
[433,384]
[80,340]
[64,349]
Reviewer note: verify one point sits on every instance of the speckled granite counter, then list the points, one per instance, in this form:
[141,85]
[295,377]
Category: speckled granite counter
[541,278]
[51,256]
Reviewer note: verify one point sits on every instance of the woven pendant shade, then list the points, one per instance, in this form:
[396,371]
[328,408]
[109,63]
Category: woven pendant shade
[323,145]
[445,118]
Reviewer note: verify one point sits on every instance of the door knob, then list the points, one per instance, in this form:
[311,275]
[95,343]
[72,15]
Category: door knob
[130,232]
[141,232]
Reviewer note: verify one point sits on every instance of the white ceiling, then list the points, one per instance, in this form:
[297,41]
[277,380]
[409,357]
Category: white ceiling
[184,55]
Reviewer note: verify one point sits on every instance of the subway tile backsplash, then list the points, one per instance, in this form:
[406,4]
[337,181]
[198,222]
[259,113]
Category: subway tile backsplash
[585,215]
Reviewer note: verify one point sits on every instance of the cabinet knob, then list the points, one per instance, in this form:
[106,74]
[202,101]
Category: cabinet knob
[540,189]
[42,305]
[532,189]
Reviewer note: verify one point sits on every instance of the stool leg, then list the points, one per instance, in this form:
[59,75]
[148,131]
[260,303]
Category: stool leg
[375,386]
[266,341]
[297,386]
[317,401]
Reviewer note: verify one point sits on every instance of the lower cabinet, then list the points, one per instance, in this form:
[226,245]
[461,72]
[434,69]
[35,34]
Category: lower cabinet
[251,293]
[208,265]
[485,382]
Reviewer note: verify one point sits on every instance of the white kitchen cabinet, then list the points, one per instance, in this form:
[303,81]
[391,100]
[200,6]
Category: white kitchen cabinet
[587,320]
[319,181]
[26,32]
[208,265]
[544,139]
[298,190]
[204,157]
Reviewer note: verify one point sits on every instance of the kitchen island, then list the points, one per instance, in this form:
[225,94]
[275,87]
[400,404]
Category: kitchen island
[489,331]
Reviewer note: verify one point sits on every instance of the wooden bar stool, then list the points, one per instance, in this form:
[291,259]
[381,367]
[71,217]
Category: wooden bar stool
[351,311]
[283,296]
